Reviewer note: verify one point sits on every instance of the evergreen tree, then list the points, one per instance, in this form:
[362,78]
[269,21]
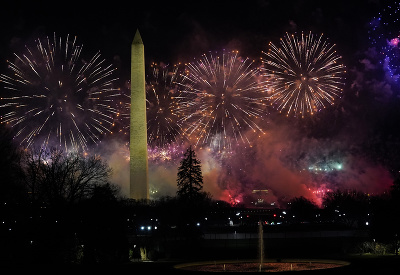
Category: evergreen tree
[190,178]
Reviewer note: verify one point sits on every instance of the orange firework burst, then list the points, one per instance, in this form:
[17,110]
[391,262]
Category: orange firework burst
[304,74]
[222,100]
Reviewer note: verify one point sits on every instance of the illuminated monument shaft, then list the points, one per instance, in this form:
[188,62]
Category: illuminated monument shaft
[139,187]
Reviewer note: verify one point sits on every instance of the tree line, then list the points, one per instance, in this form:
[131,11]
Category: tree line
[61,207]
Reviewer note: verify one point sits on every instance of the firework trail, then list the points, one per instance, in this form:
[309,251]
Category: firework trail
[384,35]
[222,100]
[304,74]
[55,98]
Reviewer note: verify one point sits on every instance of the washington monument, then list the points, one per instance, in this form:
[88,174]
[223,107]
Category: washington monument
[139,185]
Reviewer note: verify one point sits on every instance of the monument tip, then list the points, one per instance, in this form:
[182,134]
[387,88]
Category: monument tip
[137,39]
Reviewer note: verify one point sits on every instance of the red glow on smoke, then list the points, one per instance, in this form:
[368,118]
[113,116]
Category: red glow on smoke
[231,198]
[318,194]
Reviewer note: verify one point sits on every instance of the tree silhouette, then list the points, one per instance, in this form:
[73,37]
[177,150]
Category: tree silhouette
[302,209]
[348,207]
[55,177]
[190,178]
[11,189]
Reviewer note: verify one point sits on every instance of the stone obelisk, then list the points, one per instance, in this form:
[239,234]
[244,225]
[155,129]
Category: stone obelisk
[139,185]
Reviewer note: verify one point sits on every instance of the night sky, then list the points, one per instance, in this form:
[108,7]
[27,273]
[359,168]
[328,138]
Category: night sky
[174,32]
[356,140]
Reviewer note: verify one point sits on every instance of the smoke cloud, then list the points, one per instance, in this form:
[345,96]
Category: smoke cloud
[294,157]
[285,161]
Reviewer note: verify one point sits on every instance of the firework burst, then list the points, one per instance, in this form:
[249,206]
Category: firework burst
[162,97]
[222,100]
[164,130]
[55,98]
[304,74]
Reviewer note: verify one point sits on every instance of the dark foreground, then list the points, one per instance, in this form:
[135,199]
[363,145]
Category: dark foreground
[358,265]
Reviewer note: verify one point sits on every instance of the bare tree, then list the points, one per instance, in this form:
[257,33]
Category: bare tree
[56,177]
[11,189]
